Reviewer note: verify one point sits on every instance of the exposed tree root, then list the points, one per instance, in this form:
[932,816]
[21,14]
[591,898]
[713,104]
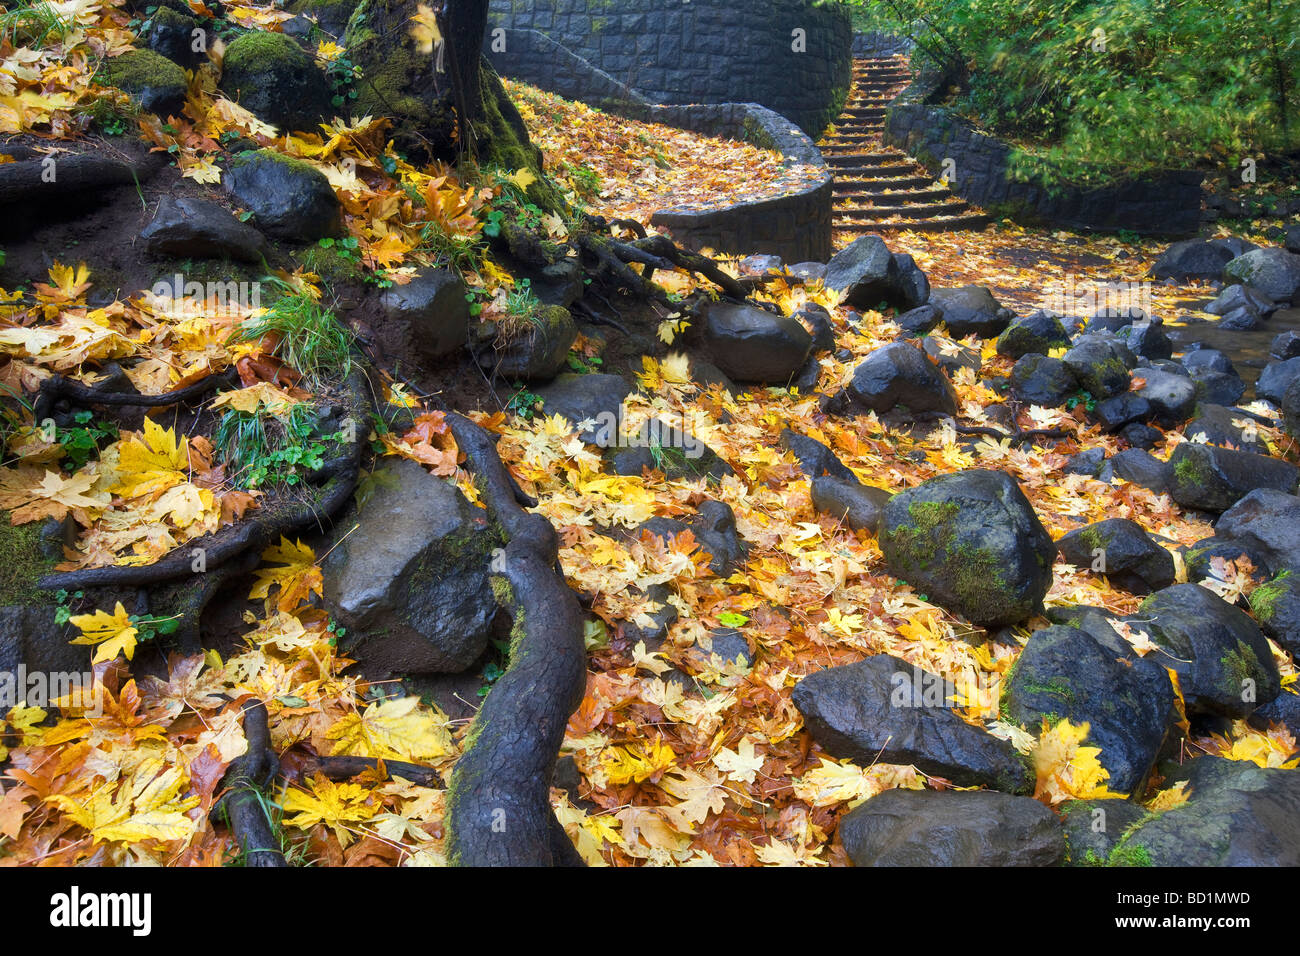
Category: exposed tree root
[245,779]
[334,482]
[345,768]
[58,388]
[499,810]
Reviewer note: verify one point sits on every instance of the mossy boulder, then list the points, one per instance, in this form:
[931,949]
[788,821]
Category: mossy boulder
[536,354]
[153,81]
[410,583]
[269,74]
[1093,828]
[289,199]
[1100,364]
[330,15]
[1129,556]
[1039,332]
[1094,677]
[1214,479]
[972,542]
[1223,662]
[1275,272]
[1276,606]
[171,34]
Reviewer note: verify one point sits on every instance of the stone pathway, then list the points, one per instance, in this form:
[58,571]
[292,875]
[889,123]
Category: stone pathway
[879,188]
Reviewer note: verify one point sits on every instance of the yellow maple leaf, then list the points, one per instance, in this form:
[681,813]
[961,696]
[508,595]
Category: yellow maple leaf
[53,496]
[637,763]
[111,633]
[156,462]
[523,178]
[297,577]
[400,729]
[335,805]
[66,283]
[1066,769]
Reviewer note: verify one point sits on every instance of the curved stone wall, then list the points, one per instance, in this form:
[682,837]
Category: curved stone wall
[792,56]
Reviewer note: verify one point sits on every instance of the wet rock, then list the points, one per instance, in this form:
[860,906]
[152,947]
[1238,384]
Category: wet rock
[815,458]
[1148,339]
[883,709]
[272,76]
[288,198]
[430,311]
[912,284]
[900,375]
[1267,523]
[858,506]
[172,34]
[1039,380]
[1217,388]
[1276,606]
[919,321]
[1224,425]
[715,530]
[870,275]
[760,265]
[726,643]
[952,356]
[1191,259]
[1286,346]
[708,375]
[1101,365]
[1223,662]
[1238,814]
[1141,436]
[197,229]
[753,345]
[1211,359]
[971,541]
[1087,462]
[809,271]
[1119,410]
[1039,332]
[818,323]
[30,639]
[1172,397]
[1212,478]
[658,446]
[597,399]
[923,828]
[411,582]
[538,354]
[1274,272]
[971,310]
[1094,827]
[1139,467]
[1126,700]
[154,82]
[1276,379]
[1129,556]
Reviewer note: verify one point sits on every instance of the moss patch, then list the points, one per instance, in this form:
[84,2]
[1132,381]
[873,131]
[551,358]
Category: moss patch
[22,563]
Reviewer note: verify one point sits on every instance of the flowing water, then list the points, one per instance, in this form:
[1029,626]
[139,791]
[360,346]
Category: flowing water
[1249,351]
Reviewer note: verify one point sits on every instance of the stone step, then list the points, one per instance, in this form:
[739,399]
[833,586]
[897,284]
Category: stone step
[850,185]
[926,194]
[943,224]
[856,162]
[918,211]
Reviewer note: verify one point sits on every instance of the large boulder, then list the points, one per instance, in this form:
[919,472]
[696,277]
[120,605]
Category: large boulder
[154,82]
[410,583]
[1211,478]
[1274,272]
[1238,814]
[274,78]
[1222,659]
[1276,606]
[1127,701]
[1172,396]
[883,709]
[1039,380]
[859,506]
[288,198]
[171,34]
[1266,523]
[430,312]
[1276,378]
[900,374]
[1094,827]
[1124,552]
[597,399]
[1138,466]
[971,310]
[972,542]
[1191,259]
[1224,425]
[1100,364]
[189,228]
[1038,332]
[870,276]
[753,345]
[923,828]
[537,354]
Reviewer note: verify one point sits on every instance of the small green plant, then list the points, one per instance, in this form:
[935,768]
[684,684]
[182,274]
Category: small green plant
[261,449]
[523,402]
[343,75]
[65,600]
[1083,398]
[584,365]
[82,441]
[34,25]
[304,336]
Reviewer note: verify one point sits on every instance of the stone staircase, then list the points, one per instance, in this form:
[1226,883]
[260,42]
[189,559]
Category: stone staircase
[878,188]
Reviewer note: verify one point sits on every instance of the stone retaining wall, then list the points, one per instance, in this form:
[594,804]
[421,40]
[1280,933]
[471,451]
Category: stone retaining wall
[795,226]
[706,51]
[1165,205]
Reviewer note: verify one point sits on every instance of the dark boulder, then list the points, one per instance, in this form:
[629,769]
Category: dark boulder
[1100,364]
[972,542]
[289,199]
[925,828]
[1127,701]
[1285,346]
[1276,606]
[279,82]
[188,228]
[1148,339]
[883,709]
[714,528]
[597,399]
[1038,332]
[1276,379]
[1172,397]
[971,310]
[1216,424]
[1128,555]
[154,82]
[1274,272]
[1191,259]
[1039,380]
[919,321]
[870,276]
[430,312]
[1094,827]
[753,345]
[1211,478]
[901,375]
[815,458]
[538,354]
[858,506]
[1217,388]
[1138,466]
[1266,523]
[1223,662]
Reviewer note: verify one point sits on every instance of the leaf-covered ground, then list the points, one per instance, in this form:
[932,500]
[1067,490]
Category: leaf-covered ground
[709,770]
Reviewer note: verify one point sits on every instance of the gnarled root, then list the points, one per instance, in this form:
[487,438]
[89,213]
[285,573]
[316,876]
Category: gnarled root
[499,810]
[244,782]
